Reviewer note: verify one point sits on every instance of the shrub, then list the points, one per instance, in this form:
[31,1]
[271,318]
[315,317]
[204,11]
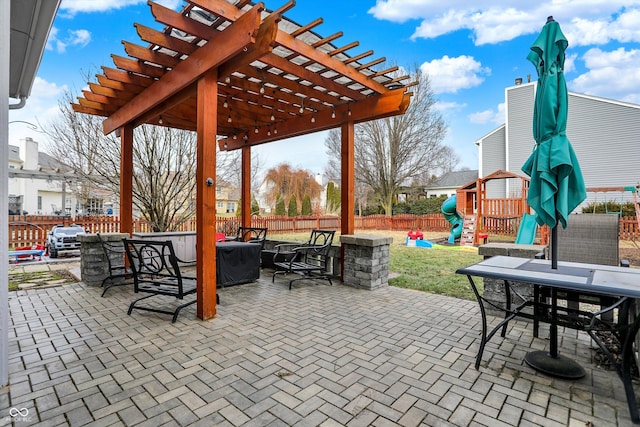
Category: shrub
[293,206]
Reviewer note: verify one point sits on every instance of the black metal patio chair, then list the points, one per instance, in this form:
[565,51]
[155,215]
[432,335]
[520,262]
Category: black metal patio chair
[309,260]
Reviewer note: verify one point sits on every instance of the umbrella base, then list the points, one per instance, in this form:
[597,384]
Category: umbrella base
[559,366]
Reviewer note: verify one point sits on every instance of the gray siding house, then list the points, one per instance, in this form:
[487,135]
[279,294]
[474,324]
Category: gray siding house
[605,135]
[447,184]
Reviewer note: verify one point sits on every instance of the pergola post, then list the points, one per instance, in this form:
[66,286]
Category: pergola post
[347,204]
[126,179]
[245,200]
[207,111]
[347,198]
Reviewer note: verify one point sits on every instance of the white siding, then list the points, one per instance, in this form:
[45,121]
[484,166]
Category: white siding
[606,138]
[493,159]
[519,107]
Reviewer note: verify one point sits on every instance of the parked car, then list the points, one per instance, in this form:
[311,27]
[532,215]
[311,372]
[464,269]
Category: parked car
[63,238]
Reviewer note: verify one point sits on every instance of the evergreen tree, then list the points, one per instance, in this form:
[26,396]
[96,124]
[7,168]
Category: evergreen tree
[306,206]
[293,206]
[333,198]
[255,208]
[280,209]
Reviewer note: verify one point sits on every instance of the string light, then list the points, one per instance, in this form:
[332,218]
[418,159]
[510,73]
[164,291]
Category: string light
[227,79]
[160,121]
[333,113]
[225,144]
[235,136]
[273,117]
[302,106]
[262,88]
[225,104]
[313,118]
[349,110]
[229,119]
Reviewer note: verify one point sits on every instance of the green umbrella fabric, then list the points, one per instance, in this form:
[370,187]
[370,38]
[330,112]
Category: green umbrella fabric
[556,187]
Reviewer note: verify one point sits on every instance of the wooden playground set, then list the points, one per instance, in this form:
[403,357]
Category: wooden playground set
[484,216]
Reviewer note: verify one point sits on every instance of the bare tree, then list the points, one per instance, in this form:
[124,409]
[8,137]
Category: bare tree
[164,164]
[229,167]
[398,150]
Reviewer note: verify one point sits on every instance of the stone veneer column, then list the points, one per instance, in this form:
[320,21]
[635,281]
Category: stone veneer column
[94,267]
[494,289]
[366,260]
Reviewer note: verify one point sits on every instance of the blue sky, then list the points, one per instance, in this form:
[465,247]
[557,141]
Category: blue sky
[472,51]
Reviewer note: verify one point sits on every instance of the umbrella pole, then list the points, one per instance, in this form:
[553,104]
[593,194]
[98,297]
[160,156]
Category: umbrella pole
[553,333]
[554,247]
[551,362]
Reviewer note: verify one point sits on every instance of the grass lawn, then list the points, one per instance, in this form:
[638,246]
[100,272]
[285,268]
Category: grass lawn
[428,270]
[39,277]
[432,270]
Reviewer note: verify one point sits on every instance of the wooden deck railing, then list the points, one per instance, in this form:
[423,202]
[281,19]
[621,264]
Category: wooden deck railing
[29,230]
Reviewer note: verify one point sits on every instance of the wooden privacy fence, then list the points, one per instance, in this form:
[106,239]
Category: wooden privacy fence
[29,230]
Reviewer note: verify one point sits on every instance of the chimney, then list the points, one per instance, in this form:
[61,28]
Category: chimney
[518,81]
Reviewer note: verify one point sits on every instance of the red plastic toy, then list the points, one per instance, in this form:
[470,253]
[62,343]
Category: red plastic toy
[416,235]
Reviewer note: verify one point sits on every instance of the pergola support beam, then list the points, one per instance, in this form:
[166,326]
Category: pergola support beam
[126,180]
[372,108]
[245,207]
[347,183]
[206,195]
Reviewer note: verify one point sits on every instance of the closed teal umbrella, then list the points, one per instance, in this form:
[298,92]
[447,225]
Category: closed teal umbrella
[556,187]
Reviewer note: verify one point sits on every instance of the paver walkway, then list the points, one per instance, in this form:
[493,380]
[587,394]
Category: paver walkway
[315,355]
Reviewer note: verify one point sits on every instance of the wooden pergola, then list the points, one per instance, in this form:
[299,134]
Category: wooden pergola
[239,75]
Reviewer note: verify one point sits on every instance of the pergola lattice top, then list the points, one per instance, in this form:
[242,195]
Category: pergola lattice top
[276,79]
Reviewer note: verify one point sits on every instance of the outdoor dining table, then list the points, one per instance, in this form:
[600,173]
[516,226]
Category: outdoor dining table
[618,284]
[237,262]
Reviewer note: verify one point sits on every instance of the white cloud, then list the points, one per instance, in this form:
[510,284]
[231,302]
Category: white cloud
[489,116]
[570,63]
[79,37]
[72,7]
[42,107]
[612,74]
[623,28]
[74,38]
[443,106]
[583,21]
[449,75]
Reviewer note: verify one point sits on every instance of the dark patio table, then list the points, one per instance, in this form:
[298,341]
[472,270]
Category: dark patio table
[620,284]
[237,262]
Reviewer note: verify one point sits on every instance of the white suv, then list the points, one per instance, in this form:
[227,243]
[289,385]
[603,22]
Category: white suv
[63,238]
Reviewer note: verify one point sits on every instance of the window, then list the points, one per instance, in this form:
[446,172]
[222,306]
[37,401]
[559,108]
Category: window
[15,205]
[39,203]
[231,207]
[93,206]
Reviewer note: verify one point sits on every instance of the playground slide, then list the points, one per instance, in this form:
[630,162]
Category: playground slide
[527,230]
[451,214]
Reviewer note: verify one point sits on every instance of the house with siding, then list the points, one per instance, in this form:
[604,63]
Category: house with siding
[36,183]
[447,184]
[605,135]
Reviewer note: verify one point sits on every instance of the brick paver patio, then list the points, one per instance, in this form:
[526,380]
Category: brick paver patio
[315,355]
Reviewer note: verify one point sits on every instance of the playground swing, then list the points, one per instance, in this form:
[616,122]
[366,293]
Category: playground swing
[606,205]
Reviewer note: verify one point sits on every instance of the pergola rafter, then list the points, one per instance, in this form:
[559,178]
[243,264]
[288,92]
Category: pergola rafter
[297,65]
[239,75]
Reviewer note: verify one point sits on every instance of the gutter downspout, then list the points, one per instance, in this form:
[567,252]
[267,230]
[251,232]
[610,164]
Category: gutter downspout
[19,105]
[5,25]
